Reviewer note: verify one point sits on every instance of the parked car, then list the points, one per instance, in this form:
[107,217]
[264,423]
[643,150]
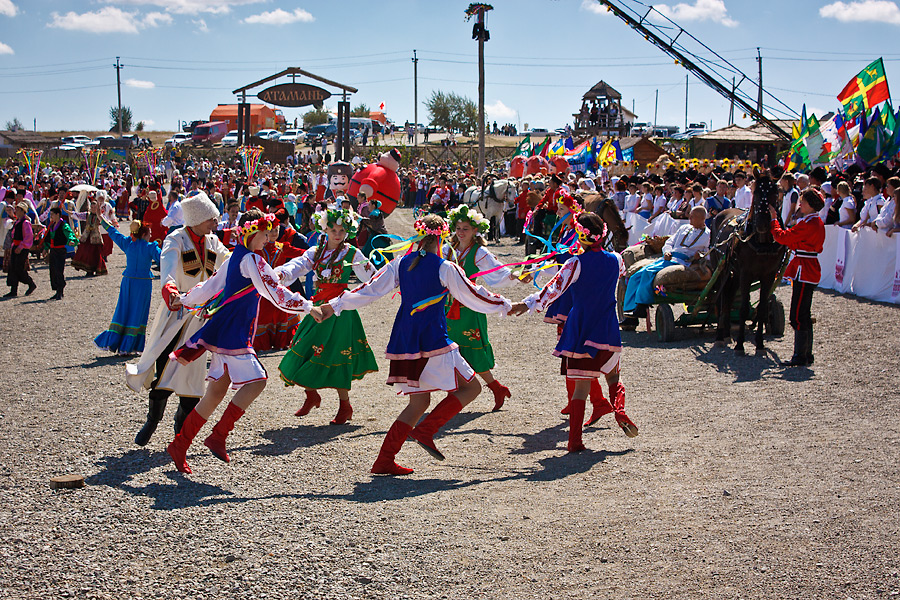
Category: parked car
[267,134]
[81,140]
[230,138]
[134,138]
[315,133]
[96,140]
[537,131]
[178,139]
[291,136]
[209,133]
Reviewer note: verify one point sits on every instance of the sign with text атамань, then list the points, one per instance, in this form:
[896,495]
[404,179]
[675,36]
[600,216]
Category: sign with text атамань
[294,94]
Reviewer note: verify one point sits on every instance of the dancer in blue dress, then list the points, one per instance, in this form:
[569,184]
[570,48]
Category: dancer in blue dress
[126,332]
[423,358]
[230,299]
[590,343]
[557,312]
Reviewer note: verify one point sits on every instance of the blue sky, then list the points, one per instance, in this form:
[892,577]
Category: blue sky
[182,57]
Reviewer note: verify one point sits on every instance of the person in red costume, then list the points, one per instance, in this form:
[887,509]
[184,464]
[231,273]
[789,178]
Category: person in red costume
[378,182]
[807,239]
[153,217]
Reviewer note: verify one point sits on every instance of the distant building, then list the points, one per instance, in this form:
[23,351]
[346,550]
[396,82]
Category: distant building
[27,139]
[754,143]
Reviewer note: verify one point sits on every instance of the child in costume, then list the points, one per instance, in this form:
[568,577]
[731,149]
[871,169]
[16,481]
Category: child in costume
[806,238]
[125,334]
[335,353]
[231,298]
[590,343]
[423,358]
[567,209]
[466,327]
[58,236]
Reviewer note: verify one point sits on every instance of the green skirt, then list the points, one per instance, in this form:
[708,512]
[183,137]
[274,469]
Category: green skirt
[470,333]
[331,354]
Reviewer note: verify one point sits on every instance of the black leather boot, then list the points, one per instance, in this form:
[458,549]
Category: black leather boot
[801,346]
[154,416]
[185,405]
[809,345]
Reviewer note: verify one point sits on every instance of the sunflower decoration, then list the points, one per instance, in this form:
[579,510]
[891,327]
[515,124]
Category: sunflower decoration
[470,216]
[347,219]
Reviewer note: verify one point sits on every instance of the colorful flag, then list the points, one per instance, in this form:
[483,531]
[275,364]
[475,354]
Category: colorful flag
[541,149]
[381,106]
[524,147]
[866,90]
[618,149]
[558,147]
[578,149]
[875,142]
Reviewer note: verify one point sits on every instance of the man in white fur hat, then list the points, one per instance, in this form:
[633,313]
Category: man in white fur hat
[190,254]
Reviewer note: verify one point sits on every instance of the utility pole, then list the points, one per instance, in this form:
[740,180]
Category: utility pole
[731,110]
[415,99]
[119,68]
[655,108]
[759,102]
[686,102]
[482,35]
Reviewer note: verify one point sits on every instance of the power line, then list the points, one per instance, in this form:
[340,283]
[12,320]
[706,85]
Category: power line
[84,87]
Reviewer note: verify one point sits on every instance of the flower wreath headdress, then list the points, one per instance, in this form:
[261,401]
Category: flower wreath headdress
[423,229]
[470,216]
[586,237]
[347,219]
[247,230]
[566,199]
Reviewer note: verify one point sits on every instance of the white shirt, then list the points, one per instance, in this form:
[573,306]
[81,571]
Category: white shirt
[632,201]
[885,218]
[789,197]
[848,211]
[743,198]
[175,216]
[687,242]
[303,264]
[871,208]
[484,261]
[659,203]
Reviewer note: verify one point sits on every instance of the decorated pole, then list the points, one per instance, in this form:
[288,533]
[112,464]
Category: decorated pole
[250,159]
[32,159]
[478,10]
[92,157]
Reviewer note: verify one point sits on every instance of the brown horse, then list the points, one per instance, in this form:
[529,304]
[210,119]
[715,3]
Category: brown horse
[605,208]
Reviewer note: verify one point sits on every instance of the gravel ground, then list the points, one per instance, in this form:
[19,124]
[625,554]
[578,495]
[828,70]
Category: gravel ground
[747,481]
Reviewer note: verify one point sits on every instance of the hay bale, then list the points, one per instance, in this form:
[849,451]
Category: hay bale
[635,267]
[676,276]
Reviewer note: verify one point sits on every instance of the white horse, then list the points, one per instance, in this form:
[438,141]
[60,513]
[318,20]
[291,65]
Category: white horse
[498,196]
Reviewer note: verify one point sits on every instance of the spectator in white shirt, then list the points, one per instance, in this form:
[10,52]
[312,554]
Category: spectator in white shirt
[872,205]
[848,206]
[660,202]
[633,199]
[895,226]
[885,220]
[743,196]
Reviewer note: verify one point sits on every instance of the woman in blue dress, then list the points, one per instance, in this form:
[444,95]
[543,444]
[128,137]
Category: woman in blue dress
[590,343]
[125,335]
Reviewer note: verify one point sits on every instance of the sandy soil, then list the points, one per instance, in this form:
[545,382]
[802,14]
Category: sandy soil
[747,481]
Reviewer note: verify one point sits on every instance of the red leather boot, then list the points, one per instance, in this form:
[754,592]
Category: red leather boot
[600,403]
[179,446]
[618,395]
[501,392]
[576,418]
[344,413]
[313,400]
[570,389]
[216,440]
[393,441]
[424,432]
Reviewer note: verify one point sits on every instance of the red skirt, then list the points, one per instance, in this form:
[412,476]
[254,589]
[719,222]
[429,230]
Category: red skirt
[90,258]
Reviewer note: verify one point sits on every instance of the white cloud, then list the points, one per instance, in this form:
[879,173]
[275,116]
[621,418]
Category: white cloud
[138,83]
[148,123]
[280,17]
[108,19]
[202,27]
[188,7]
[8,9]
[877,11]
[593,6]
[4,49]
[700,10]
[498,110]
[154,19]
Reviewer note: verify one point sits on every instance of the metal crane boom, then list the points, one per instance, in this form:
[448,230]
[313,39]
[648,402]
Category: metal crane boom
[656,35]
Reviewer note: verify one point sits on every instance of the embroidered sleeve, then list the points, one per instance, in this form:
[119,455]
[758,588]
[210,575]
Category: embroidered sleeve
[264,278]
[382,283]
[296,268]
[567,275]
[470,295]
[169,261]
[486,261]
[361,266]
[205,290]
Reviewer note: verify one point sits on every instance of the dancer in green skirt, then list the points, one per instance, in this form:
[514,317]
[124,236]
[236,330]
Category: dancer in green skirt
[335,352]
[465,326]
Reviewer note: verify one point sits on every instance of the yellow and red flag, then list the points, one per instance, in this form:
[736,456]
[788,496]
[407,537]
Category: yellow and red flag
[864,91]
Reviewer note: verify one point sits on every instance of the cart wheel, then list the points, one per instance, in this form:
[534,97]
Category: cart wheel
[665,323]
[776,317]
[620,298]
